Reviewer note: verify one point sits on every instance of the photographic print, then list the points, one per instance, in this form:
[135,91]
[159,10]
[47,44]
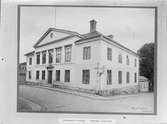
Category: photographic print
[86,59]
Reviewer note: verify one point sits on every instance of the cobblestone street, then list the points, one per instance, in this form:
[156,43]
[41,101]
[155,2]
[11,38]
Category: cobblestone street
[63,101]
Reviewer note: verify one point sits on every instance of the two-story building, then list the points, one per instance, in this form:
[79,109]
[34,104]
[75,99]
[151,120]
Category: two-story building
[91,62]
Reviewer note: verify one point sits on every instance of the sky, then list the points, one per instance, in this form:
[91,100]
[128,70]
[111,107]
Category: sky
[131,27]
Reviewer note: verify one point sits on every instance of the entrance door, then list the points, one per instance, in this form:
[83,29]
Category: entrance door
[49,77]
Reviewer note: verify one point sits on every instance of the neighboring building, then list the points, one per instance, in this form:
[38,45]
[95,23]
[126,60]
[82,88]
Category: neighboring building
[143,84]
[91,61]
[22,72]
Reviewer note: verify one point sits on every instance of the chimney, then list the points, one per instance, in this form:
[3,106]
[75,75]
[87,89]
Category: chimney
[92,25]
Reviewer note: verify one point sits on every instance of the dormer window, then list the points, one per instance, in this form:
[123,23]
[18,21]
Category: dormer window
[51,35]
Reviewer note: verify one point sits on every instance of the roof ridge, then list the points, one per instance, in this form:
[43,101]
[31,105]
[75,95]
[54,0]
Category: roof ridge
[58,29]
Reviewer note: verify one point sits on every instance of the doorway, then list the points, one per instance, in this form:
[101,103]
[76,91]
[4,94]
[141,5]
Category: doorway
[49,77]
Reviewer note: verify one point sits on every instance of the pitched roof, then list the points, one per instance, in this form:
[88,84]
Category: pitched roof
[97,34]
[142,78]
[83,37]
[71,33]
[29,53]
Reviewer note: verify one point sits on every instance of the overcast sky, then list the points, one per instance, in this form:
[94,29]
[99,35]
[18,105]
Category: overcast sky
[131,27]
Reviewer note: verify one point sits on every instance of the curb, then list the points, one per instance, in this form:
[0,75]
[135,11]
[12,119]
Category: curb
[90,96]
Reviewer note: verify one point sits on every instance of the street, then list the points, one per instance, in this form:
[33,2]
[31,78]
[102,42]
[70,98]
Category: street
[60,101]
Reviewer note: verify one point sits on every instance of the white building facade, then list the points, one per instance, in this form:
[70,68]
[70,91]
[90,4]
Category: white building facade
[91,62]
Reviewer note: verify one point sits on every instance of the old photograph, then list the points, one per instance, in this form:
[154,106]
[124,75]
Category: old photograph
[87,59]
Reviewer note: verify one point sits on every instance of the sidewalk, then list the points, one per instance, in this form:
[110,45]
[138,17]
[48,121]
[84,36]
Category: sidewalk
[87,95]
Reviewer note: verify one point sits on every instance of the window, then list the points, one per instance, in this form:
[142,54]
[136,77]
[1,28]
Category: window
[67,76]
[135,62]
[37,75]
[127,60]
[127,77]
[58,55]
[57,75]
[109,76]
[86,53]
[30,61]
[119,77]
[109,54]
[38,58]
[43,75]
[68,53]
[51,35]
[135,77]
[50,56]
[29,74]
[85,76]
[44,57]
[120,58]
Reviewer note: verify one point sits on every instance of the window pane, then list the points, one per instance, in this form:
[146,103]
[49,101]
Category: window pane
[29,74]
[120,58]
[127,77]
[68,53]
[44,57]
[37,75]
[67,75]
[38,58]
[50,56]
[58,55]
[109,76]
[109,54]
[30,61]
[127,60]
[119,77]
[135,76]
[43,75]
[85,76]
[57,75]
[86,53]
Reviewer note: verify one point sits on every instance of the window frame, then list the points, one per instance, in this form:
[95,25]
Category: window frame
[109,53]
[109,77]
[58,54]
[37,58]
[127,60]
[30,61]
[43,57]
[29,75]
[87,53]
[85,76]
[135,77]
[43,74]
[66,75]
[120,58]
[50,56]
[127,77]
[37,74]
[58,76]
[119,77]
[68,54]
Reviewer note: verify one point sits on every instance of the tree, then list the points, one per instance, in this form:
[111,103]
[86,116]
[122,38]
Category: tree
[146,54]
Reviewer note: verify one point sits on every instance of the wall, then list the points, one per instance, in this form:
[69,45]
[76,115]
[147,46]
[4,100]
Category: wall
[115,66]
